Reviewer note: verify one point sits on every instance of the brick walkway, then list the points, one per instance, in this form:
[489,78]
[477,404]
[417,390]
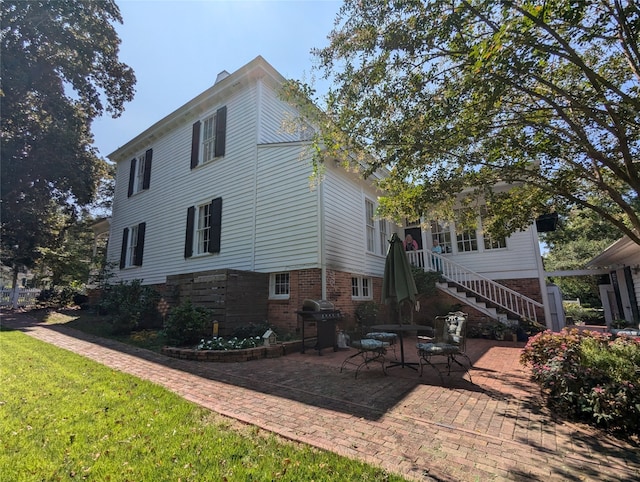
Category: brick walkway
[491,429]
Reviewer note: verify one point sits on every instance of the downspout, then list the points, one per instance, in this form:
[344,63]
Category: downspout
[321,238]
[541,278]
[255,171]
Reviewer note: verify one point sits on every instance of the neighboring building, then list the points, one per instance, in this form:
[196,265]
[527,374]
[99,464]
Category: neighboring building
[621,295]
[213,202]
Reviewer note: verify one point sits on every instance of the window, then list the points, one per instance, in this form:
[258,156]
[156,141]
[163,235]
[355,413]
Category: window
[132,246]
[203,232]
[441,231]
[467,240]
[140,173]
[204,229]
[466,234]
[209,138]
[384,236]
[489,241]
[361,288]
[279,286]
[371,228]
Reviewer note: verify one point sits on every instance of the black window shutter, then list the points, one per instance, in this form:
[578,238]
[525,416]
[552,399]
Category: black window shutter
[123,250]
[146,181]
[137,256]
[188,239]
[132,176]
[221,131]
[215,230]
[195,144]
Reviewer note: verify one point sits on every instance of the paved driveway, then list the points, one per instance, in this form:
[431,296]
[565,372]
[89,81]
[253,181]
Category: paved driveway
[491,429]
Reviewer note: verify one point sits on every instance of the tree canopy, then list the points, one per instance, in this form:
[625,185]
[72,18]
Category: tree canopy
[456,97]
[59,70]
[581,236]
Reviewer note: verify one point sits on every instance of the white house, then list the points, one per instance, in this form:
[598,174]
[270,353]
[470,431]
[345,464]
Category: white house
[219,189]
[621,295]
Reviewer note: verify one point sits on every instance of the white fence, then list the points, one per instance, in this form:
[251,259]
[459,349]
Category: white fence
[26,297]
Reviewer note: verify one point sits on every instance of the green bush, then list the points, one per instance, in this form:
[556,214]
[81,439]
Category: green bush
[187,324]
[366,313]
[579,314]
[425,280]
[251,330]
[132,306]
[60,297]
[587,376]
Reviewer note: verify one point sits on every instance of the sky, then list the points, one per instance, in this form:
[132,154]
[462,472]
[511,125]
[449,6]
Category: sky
[177,48]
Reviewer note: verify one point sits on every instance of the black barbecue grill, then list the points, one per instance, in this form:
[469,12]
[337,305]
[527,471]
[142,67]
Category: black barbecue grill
[323,315]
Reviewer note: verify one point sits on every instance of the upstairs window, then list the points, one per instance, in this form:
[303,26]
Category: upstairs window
[441,231]
[384,236]
[204,229]
[132,246]
[140,173]
[490,242]
[371,227]
[208,140]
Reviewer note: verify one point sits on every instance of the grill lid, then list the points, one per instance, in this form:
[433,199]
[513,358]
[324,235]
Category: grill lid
[317,305]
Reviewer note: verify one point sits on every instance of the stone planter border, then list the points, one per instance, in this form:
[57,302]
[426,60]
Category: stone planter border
[234,356]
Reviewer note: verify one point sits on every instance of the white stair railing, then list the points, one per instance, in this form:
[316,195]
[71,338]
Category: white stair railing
[497,294]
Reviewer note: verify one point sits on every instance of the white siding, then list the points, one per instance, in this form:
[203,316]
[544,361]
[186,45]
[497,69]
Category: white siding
[344,221]
[517,260]
[286,226]
[174,187]
[276,119]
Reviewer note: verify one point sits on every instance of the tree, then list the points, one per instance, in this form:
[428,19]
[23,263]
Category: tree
[455,97]
[581,235]
[59,70]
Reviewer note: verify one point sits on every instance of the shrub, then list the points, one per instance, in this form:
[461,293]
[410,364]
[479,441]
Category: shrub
[366,313]
[425,280]
[587,376]
[60,297]
[579,314]
[251,330]
[187,324]
[132,306]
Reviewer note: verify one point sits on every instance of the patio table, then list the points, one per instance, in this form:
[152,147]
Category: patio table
[400,329]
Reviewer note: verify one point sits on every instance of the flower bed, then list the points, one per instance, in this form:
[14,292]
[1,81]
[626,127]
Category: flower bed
[233,355]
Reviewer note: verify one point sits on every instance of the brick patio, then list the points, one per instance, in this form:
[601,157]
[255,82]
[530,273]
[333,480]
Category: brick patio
[492,429]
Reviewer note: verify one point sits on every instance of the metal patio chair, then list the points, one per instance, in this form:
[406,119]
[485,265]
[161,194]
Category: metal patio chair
[449,341]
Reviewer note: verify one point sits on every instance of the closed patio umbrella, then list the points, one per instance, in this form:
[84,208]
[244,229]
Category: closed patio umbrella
[398,285]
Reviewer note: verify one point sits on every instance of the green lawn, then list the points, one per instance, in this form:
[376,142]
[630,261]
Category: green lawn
[63,417]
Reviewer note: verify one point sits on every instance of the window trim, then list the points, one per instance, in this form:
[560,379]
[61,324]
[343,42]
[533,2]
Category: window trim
[214,229]
[360,287]
[140,173]
[370,225]
[132,249]
[218,139]
[273,282]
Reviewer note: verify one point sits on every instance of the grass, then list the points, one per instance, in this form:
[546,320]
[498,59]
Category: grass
[64,417]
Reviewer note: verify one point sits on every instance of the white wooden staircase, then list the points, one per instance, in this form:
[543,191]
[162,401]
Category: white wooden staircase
[473,289]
